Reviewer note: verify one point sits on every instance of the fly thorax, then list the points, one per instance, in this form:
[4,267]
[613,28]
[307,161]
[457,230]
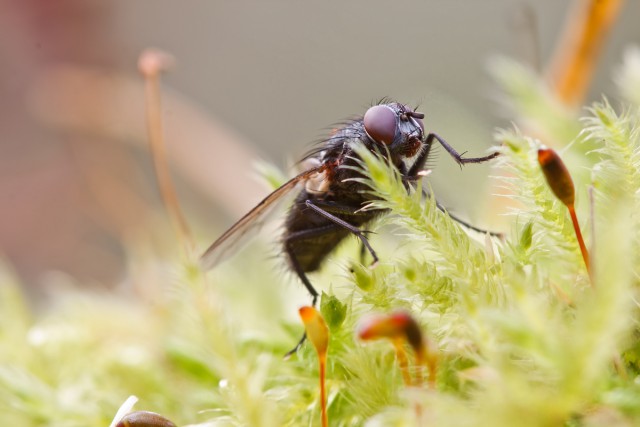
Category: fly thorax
[317,183]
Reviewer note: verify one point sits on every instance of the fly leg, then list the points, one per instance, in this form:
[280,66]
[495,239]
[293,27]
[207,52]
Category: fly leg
[460,221]
[466,224]
[457,156]
[413,175]
[289,242]
[328,207]
[336,223]
[344,224]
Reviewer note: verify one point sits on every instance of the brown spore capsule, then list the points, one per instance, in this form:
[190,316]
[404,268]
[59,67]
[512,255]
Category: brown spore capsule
[557,175]
[559,179]
[144,419]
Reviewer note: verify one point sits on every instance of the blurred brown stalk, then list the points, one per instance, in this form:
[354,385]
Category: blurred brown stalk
[587,26]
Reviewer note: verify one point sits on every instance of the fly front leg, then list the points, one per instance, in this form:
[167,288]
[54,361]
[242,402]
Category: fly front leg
[457,156]
[414,174]
[466,224]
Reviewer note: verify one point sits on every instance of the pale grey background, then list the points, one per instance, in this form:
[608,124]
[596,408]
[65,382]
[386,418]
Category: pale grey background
[77,196]
[281,71]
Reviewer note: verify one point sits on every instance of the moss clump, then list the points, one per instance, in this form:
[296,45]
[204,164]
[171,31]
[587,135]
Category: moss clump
[526,336]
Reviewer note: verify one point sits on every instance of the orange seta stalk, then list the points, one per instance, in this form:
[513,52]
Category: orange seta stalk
[560,182]
[576,227]
[318,334]
[571,70]
[151,64]
[403,361]
[400,328]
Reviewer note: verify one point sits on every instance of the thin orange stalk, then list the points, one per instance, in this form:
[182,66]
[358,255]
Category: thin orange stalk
[400,327]
[318,334]
[322,360]
[576,227]
[151,64]
[403,362]
[571,70]
[428,356]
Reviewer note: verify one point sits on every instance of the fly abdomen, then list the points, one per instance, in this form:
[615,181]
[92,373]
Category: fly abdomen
[309,248]
[315,226]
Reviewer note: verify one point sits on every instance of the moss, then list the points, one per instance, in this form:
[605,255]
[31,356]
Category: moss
[526,336]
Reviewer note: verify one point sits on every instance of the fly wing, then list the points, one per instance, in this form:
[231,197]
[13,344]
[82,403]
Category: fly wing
[226,244]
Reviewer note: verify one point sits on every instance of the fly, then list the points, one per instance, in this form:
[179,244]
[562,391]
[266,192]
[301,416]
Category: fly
[328,207]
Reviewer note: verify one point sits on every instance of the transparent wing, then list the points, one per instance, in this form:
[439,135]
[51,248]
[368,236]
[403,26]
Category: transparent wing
[231,239]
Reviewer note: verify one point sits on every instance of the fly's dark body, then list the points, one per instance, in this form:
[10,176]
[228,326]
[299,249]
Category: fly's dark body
[329,206]
[309,236]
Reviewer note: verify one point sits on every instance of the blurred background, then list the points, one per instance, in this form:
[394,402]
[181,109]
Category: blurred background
[253,81]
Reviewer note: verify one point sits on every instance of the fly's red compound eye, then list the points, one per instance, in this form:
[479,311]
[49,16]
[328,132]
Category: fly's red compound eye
[380,123]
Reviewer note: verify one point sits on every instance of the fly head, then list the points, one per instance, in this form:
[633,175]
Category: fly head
[396,129]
